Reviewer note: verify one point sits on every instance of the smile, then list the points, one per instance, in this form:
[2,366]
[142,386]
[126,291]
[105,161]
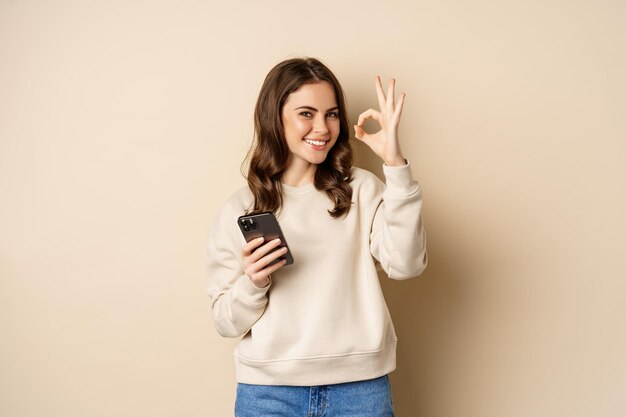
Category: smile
[315,142]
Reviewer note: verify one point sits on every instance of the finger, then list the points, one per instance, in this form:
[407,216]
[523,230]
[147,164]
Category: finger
[359,132]
[379,93]
[271,269]
[367,114]
[398,112]
[362,135]
[390,95]
[264,250]
[269,258]
[249,247]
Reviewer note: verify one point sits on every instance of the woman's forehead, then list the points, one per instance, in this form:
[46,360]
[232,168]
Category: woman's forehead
[319,94]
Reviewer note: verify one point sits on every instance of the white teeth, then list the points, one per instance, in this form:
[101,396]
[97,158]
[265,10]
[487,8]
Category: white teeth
[315,142]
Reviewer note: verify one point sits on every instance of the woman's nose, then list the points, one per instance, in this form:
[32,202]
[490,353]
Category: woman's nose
[320,124]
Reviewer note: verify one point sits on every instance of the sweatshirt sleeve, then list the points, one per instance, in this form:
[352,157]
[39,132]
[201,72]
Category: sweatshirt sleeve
[398,239]
[236,303]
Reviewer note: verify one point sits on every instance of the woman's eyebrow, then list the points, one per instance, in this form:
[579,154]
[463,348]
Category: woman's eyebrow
[314,109]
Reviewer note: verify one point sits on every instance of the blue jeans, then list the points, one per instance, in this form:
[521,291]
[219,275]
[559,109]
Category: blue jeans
[371,398]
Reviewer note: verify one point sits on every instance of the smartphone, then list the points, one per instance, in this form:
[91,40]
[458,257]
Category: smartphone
[264,224]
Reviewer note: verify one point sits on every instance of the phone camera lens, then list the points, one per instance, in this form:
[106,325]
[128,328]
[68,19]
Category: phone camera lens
[248,224]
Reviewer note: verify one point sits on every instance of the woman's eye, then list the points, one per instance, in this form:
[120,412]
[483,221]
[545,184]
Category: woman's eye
[305,114]
[332,114]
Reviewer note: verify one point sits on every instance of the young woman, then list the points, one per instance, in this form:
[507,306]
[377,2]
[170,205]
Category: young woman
[317,335]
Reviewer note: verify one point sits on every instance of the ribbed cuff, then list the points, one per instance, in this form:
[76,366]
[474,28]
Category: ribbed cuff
[400,178]
[252,295]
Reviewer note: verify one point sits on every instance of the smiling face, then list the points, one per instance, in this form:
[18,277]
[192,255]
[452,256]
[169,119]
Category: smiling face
[311,124]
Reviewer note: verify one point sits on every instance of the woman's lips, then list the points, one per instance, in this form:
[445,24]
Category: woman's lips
[318,145]
[316,141]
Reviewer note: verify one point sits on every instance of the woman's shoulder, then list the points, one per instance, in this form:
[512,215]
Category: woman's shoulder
[234,206]
[224,230]
[363,174]
[366,186]
[242,197]
[238,202]
[364,178]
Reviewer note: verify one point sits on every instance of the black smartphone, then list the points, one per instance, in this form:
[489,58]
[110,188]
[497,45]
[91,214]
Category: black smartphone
[264,224]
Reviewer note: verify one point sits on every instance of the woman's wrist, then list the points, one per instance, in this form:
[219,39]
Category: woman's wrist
[396,162]
[263,283]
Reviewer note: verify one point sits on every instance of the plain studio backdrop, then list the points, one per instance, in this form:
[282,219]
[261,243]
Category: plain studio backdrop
[122,128]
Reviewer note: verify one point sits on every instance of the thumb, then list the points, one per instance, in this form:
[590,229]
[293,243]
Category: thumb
[363,136]
[359,133]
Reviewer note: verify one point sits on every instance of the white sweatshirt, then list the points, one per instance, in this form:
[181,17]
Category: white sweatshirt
[322,320]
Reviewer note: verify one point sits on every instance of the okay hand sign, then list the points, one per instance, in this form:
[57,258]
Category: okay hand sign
[384,143]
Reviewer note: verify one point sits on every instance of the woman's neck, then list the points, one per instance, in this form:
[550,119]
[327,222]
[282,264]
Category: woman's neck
[299,173]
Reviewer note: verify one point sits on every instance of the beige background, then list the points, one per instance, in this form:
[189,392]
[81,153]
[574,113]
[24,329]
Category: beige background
[122,127]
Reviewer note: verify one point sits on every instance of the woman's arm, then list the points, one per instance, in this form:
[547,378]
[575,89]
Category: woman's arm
[238,280]
[397,239]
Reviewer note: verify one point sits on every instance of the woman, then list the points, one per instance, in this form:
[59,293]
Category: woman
[317,335]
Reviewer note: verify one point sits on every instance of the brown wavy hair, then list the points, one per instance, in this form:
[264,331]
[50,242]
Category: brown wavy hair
[269,152]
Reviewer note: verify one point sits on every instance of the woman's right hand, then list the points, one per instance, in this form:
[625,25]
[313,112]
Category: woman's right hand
[255,262]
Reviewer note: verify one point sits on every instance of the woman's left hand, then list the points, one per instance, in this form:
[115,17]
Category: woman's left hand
[384,143]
